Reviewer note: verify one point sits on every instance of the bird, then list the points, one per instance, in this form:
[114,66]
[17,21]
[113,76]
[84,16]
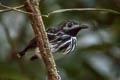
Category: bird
[62,39]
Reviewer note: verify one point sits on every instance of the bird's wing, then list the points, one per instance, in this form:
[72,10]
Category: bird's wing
[51,33]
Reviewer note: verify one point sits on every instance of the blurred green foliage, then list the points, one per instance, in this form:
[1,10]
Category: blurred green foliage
[98,49]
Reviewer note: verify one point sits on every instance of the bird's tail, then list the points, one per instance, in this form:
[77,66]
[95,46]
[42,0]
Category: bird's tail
[32,45]
[20,54]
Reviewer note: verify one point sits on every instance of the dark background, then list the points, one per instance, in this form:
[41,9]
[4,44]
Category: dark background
[98,49]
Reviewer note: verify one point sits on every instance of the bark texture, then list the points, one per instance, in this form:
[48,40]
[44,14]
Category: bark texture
[32,6]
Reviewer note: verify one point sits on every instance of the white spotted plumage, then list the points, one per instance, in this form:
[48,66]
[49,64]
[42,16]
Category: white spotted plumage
[62,38]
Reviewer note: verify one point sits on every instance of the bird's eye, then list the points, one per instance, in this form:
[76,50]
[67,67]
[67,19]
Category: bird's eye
[69,25]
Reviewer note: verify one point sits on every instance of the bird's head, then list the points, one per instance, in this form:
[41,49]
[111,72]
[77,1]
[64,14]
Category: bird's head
[72,27]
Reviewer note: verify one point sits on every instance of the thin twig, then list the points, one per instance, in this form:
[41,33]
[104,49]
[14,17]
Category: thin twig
[81,9]
[10,8]
[14,9]
[21,6]
[58,11]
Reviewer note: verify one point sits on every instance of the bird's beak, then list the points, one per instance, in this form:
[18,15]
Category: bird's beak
[84,26]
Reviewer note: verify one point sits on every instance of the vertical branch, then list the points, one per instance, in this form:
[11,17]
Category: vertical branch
[42,41]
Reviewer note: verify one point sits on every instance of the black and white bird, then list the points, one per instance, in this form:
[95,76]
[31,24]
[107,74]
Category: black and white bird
[62,39]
